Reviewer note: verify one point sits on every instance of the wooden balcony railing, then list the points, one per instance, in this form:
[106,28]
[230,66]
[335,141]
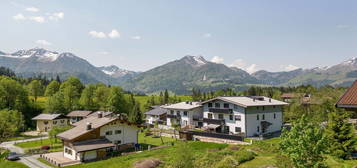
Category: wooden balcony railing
[224,111]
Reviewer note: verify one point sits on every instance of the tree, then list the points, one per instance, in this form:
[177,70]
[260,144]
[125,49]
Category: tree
[52,88]
[87,98]
[56,130]
[342,139]
[11,122]
[55,104]
[101,95]
[304,144]
[166,97]
[116,101]
[35,88]
[135,115]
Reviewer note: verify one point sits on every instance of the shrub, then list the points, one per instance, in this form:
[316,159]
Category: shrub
[45,148]
[227,162]
[282,161]
[243,156]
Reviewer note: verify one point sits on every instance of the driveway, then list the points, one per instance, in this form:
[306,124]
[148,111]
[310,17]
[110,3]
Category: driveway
[31,160]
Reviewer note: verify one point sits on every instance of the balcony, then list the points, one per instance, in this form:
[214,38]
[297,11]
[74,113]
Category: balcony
[213,121]
[217,110]
[173,116]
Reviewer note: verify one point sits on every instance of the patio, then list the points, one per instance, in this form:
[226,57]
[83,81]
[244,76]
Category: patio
[57,159]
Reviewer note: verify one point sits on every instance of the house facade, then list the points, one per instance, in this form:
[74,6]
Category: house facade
[348,100]
[186,114]
[248,116]
[97,136]
[156,114]
[45,122]
[76,116]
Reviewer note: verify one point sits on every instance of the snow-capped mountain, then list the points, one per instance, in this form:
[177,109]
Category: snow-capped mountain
[195,61]
[116,72]
[49,63]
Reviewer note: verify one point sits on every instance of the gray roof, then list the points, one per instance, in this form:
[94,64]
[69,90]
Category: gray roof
[245,101]
[105,113]
[157,111]
[92,144]
[47,117]
[184,105]
[79,113]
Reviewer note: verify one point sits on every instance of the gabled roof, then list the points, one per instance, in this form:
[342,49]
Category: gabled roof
[105,113]
[249,101]
[48,117]
[349,99]
[183,105]
[157,111]
[79,113]
[81,126]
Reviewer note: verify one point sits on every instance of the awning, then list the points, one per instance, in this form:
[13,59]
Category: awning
[212,126]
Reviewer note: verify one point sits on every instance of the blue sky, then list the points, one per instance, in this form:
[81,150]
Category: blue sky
[138,35]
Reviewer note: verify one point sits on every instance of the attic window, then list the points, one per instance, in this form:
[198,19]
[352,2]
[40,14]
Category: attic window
[226,105]
[217,105]
[210,105]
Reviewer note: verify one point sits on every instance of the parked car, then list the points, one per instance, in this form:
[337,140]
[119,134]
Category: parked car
[13,156]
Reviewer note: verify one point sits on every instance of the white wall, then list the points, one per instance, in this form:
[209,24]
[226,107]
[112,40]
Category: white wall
[129,134]
[73,156]
[186,120]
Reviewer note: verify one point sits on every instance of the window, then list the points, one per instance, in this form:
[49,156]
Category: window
[263,116]
[109,133]
[117,142]
[68,151]
[226,105]
[274,106]
[46,122]
[258,129]
[210,105]
[238,129]
[62,121]
[217,105]
[274,116]
[235,107]
[263,108]
[230,117]
[185,113]
[54,122]
[172,112]
[238,118]
[117,131]
[257,116]
[210,115]
[178,113]
[220,116]
[257,107]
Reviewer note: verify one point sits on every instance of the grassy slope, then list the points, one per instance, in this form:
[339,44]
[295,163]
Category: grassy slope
[45,142]
[11,164]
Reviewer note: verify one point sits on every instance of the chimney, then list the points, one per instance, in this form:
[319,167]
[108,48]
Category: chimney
[269,100]
[187,102]
[100,114]
[190,103]
[89,126]
[253,99]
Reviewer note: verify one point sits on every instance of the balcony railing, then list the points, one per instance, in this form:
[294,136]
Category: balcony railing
[213,121]
[172,116]
[217,110]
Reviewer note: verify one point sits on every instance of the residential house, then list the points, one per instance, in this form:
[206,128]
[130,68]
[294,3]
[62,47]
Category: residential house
[248,116]
[76,116]
[288,97]
[186,114]
[156,114]
[45,122]
[349,99]
[97,136]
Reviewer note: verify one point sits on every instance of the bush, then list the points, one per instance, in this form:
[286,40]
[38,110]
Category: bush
[243,156]
[282,161]
[227,162]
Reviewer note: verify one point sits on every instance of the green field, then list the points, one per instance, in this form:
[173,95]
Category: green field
[39,143]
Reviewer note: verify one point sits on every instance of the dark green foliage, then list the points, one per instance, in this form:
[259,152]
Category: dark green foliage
[6,72]
[116,101]
[341,134]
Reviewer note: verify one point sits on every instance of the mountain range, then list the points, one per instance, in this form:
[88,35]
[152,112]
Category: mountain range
[178,76]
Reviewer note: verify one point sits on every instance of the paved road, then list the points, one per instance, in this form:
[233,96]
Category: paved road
[31,160]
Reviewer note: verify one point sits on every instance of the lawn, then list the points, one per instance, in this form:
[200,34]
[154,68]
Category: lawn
[148,140]
[39,143]
[11,164]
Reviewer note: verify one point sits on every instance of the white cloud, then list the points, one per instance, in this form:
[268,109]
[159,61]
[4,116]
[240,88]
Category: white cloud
[207,35]
[39,19]
[291,67]
[251,69]
[43,42]
[136,37]
[32,9]
[239,63]
[217,59]
[19,16]
[96,34]
[114,34]
[56,16]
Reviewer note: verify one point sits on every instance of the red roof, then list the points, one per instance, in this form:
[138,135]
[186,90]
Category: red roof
[349,99]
